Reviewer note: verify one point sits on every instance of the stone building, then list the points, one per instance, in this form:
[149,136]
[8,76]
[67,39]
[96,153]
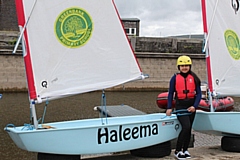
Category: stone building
[8,17]
[131,26]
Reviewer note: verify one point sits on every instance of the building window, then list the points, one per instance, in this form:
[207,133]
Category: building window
[131,31]
[127,31]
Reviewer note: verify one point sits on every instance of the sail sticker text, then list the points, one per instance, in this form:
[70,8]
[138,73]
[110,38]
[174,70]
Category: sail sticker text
[44,84]
[235,5]
[73,27]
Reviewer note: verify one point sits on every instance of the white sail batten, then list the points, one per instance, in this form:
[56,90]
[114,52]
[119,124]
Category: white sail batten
[223,46]
[75,48]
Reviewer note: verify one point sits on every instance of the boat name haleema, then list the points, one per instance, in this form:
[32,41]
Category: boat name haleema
[126,133]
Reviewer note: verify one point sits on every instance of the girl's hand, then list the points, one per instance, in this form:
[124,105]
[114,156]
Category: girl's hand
[191,109]
[168,112]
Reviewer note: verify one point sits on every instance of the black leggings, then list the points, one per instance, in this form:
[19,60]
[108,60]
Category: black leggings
[184,136]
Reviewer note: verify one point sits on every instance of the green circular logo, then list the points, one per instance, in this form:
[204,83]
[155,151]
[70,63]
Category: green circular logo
[232,42]
[73,27]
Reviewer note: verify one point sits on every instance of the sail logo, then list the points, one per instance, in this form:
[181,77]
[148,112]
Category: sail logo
[232,43]
[73,27]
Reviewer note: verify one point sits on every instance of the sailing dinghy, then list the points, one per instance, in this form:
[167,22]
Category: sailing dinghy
[72,47]
[221,21]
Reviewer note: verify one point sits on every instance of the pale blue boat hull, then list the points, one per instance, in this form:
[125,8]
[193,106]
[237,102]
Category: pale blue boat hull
[217,123]
[91,136]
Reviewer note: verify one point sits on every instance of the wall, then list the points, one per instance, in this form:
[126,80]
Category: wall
[167,45]
[12,73]
[160,67]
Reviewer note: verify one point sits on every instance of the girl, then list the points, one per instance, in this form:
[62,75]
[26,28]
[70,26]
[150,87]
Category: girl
[186,87]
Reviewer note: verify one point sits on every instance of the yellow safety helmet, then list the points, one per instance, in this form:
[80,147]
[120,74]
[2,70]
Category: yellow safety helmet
[184,60]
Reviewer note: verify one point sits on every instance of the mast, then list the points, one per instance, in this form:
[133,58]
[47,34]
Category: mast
[27,59]
[209,74]
[26,55]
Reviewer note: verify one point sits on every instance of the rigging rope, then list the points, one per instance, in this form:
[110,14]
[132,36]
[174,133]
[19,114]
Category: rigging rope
[28,126]
[181,112]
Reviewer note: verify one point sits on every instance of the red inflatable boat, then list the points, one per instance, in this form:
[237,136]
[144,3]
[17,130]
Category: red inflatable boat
[220,104]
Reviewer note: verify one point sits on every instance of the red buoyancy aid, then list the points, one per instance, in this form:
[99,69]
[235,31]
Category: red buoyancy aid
[185,87]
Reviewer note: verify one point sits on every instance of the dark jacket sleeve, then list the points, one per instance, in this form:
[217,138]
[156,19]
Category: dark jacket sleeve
[171,91]
[198,97]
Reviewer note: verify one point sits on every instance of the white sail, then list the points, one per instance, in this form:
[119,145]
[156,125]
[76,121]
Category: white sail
[221,21]
[222,26]
[73,47]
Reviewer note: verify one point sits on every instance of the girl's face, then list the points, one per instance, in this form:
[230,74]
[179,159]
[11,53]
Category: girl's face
[184,68]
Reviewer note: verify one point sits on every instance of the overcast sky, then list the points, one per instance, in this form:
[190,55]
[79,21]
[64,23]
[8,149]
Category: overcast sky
[163,17]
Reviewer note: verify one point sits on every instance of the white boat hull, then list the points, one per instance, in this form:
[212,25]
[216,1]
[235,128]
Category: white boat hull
[217,123]
[98,135]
